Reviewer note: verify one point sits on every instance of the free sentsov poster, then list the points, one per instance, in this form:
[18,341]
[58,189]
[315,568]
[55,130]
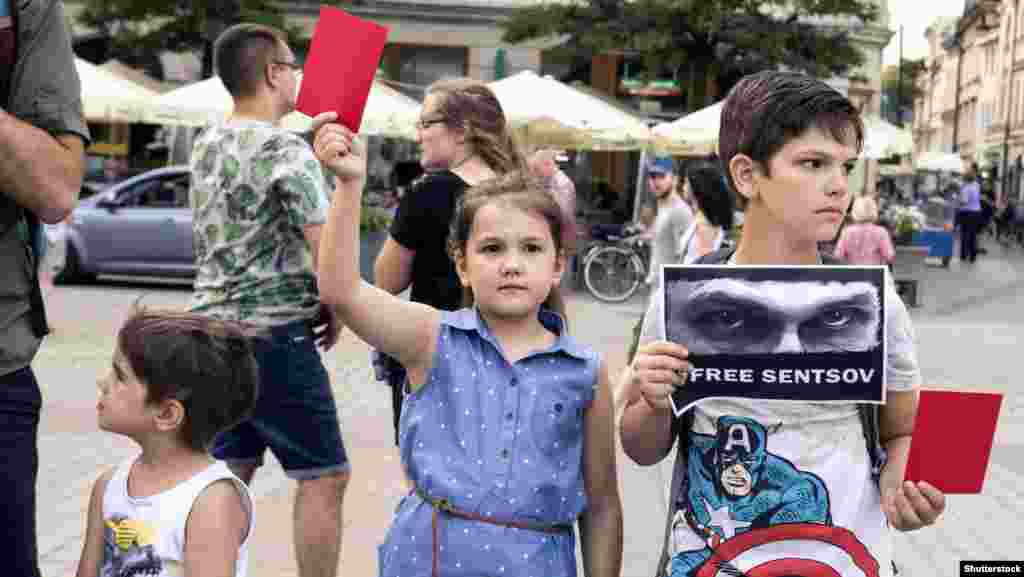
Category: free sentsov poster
[783,333]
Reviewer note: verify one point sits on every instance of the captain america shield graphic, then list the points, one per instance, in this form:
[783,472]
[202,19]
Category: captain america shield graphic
[792,550]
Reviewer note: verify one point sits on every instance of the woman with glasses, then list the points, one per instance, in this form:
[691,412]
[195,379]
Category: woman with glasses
[464,140]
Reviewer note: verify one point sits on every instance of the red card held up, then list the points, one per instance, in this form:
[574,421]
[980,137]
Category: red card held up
[952,441]
[339,69]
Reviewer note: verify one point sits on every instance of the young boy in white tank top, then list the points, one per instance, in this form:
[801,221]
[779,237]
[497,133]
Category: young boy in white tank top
[176,381]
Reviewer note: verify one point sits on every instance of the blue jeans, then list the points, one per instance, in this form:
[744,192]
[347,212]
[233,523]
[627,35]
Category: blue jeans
[295,415]
[20,404]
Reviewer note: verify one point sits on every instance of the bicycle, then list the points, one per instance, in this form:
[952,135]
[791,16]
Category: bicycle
[615,266]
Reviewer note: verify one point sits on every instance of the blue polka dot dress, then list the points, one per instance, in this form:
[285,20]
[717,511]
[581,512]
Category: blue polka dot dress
[494,440]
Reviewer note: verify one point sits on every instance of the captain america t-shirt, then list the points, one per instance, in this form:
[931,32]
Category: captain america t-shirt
[774,489]
[778,489]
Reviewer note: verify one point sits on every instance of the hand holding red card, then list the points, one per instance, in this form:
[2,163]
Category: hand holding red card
[339,70]
[952,441]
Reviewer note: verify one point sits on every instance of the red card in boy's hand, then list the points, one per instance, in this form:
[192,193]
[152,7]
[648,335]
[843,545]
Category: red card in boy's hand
[338,73]
[953,436]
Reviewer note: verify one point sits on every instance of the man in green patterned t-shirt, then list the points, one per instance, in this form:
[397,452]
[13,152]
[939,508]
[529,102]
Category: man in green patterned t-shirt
[258,201]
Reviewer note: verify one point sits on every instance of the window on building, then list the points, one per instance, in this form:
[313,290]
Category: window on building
[1016,101]
[422,65]
[1012,105]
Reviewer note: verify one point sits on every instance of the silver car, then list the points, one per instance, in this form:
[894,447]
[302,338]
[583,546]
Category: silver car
[139,226]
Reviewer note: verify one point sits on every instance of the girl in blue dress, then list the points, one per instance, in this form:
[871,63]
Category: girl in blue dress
[507,429]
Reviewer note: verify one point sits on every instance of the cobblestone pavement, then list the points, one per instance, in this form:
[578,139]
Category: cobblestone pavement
[968,328]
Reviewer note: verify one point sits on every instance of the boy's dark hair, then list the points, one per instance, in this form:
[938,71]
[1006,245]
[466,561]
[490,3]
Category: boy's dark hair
[767,109]
[712,194]
[241,55]
[205,363]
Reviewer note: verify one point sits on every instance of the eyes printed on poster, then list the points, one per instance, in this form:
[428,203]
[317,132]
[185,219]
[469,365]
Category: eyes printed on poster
[778,333]
[738,316]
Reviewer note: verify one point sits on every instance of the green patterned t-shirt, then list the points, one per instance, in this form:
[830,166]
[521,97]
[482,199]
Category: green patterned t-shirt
[254,189]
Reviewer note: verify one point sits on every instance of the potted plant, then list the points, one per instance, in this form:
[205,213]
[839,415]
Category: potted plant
[904,221]
[373,231]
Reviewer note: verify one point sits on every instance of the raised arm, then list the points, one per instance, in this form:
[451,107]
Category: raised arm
[403,329]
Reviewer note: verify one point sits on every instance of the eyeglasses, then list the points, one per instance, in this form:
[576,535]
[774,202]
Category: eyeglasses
[292,65]
[424,124]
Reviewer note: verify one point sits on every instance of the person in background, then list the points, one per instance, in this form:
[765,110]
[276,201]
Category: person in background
[259,200]
[864,242]
[714,207]
[114,169]
[674,216]
[543,163]
[969,215]
[43,136]
[673,219]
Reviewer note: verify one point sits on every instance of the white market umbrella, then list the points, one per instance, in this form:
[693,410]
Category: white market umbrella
[883,139]
[940,162]
[106,97]
[694,134]
[197,104]
[551,113]
[697,133]
[388,112]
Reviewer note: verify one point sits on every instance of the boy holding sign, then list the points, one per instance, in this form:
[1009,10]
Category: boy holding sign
[790,488]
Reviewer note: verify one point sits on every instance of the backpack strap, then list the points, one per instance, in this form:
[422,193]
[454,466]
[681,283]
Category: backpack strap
[37,312]
[720,256]
[869,419]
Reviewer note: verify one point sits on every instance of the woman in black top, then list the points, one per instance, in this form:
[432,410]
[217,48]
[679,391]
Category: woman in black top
[464,140]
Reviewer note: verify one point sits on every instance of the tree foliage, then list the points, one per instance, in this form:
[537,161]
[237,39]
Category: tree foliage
[910,70]
[138,29]
[701,39]
[897,99]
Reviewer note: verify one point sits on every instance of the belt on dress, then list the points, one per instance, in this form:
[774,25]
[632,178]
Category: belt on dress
[445,506]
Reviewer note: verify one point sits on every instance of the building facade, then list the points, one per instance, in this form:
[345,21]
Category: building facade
[971,95]
[428,40]
[1005,136]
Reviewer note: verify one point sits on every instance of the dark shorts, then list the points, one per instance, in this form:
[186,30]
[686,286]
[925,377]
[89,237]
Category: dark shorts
[295,415]
[20,403]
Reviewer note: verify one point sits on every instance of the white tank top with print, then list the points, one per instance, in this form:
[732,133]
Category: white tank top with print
[145,536]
